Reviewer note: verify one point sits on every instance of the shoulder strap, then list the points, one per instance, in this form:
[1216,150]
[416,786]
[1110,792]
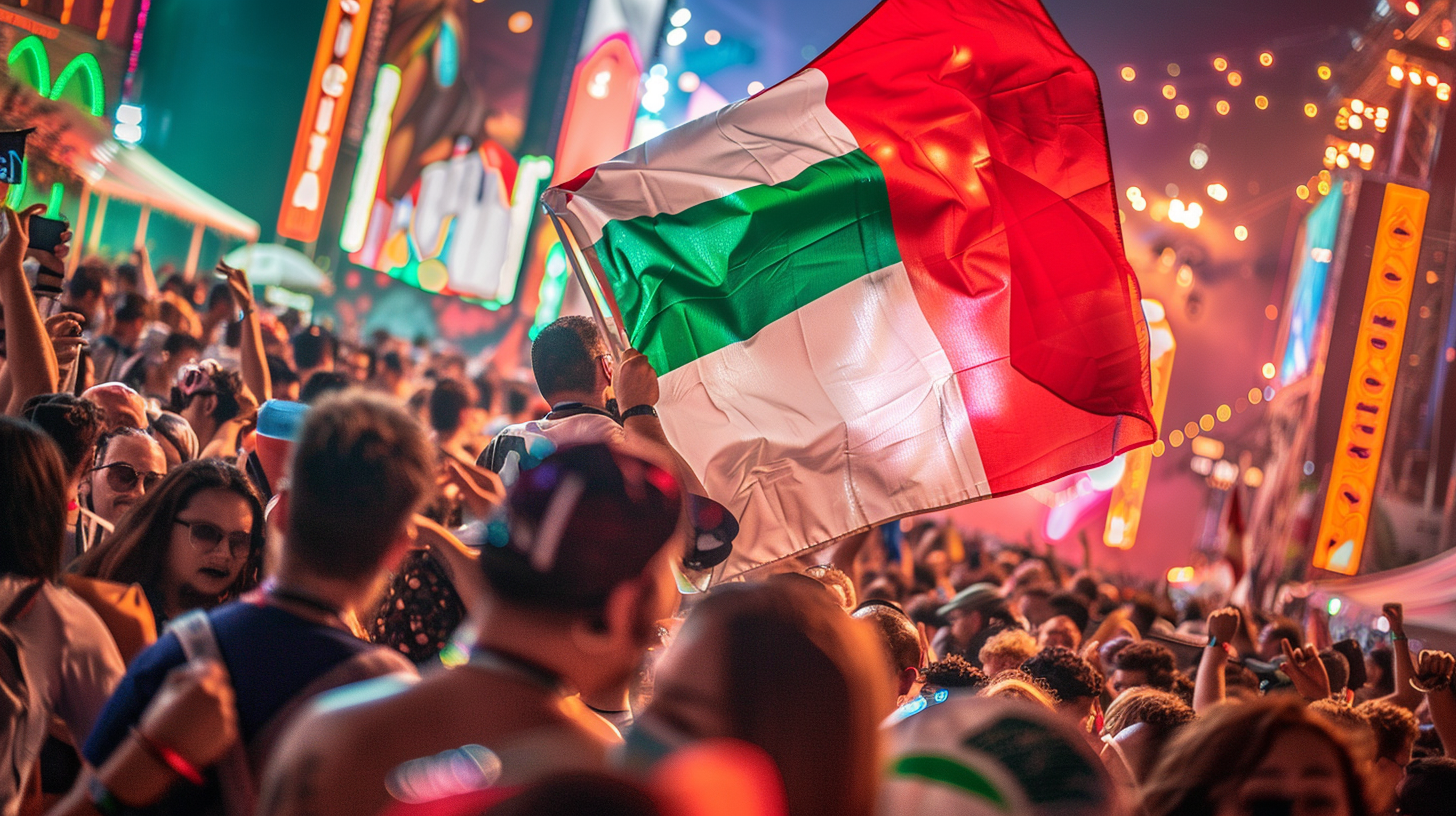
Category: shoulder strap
[239,788]
[22,602]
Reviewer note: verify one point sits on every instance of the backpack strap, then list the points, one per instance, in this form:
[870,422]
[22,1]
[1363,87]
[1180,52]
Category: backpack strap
[239,787]
[22,602]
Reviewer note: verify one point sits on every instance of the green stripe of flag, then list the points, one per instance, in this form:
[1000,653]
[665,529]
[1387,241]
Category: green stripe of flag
[690,283]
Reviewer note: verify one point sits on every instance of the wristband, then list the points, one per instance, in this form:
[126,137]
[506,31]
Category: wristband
[103,799]
[169,757]
[639,410]
[1397,638]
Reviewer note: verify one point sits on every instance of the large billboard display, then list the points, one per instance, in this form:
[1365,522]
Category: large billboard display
[1316,248]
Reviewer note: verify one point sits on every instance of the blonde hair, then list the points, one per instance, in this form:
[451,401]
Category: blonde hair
[1018,684]
[1011,647]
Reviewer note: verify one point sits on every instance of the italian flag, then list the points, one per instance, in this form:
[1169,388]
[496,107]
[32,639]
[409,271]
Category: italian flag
[890,284]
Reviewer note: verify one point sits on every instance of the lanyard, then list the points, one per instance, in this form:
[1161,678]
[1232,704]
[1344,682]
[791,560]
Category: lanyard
[562,410]
[500,662]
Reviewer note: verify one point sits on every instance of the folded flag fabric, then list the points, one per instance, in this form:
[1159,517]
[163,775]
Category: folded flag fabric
[892,283]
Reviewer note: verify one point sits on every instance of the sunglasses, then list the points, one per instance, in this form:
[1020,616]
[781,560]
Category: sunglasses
[123,478]
[206,536]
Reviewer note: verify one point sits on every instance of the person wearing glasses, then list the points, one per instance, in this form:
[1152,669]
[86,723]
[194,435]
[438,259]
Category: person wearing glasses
[128,464]
[194,541]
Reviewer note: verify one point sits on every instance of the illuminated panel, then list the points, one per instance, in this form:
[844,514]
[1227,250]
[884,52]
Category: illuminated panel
[324,109]
[27,24]
[371,160]
[531,178]
[601,109]
[1372,381]
[553,289]
[30,54]
[84,69]
[1125,512]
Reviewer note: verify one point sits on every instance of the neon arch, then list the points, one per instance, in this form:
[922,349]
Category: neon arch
[87,70]
[32,54]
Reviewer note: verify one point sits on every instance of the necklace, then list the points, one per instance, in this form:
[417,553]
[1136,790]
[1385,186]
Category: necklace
[329,613]
[501,662]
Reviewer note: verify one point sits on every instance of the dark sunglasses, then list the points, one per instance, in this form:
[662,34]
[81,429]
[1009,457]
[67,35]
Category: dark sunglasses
[122,477]
[206,536]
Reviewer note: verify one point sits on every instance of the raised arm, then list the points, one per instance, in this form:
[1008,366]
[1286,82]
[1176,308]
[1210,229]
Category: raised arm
[1434,673]
[147,276]
[1208,687]
[254,360]
[1404,695]
[30,360]
[635,385]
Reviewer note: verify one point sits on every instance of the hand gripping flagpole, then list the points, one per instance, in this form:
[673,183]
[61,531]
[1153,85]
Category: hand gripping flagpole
[614,340]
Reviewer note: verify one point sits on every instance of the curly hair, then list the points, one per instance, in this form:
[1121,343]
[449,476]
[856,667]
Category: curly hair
[1153,659]
[953,671]
[1071,677]
[1022,686]
[1161,710]
[74,423]
[1395,728]
[1011,647]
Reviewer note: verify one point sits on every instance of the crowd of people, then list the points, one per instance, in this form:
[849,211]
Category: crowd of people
[248,566]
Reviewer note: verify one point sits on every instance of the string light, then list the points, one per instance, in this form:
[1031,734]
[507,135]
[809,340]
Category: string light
[1261,102]
[1397,73]
[1222,106]
[1220,64]
[1311,110]
[1241,233]
[1181,111]
[1140,116]
[712,36]
[1169,91]
[1128,74]
[1266,59]
[1324,72]
[1235,78]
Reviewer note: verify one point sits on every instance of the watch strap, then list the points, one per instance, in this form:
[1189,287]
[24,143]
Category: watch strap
[639,410]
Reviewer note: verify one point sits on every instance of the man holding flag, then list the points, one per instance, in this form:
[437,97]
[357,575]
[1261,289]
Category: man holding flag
[892,283]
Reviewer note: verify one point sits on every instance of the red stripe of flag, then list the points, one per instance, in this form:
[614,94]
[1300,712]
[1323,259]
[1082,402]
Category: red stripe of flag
[989,131]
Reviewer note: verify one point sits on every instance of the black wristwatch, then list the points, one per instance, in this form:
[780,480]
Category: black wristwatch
[639,410]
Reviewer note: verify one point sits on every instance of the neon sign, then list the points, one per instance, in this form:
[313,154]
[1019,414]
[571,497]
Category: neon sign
[1126,511]
[335,66]
[1372,381]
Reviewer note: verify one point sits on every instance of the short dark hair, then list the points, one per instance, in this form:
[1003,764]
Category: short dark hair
[32,501]
[564,355]
[225,386]
[88,279]
[1337,667]
[131,306]
[280,373]
[1426,788]
[1071,677]
[322,383]
[895,632]
[1153,659]
[1285,629]
[1395,727]
[953,671]
[104,441]
[448,403]
[360,469]
[516,401]
[312,345]
[178,342]
[73,423]
[218,295]
[1071,605]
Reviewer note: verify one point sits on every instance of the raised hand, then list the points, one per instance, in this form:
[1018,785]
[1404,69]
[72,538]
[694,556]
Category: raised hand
[1223,625]
[635,381]
[1304,668]
[238,286]
[1433,670]
[1395,616]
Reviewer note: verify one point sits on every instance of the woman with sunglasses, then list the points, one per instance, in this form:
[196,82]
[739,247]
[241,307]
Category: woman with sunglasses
[128,464]
[194,541]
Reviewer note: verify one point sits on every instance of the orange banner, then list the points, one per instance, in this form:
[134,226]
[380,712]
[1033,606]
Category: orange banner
[335,67]
[1372,380]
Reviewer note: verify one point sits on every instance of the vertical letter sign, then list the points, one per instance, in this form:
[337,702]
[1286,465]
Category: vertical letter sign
[1372,381]
[324,110]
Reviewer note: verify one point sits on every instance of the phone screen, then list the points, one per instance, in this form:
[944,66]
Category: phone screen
[45,233]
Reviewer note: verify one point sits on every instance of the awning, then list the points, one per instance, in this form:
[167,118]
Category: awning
[277,265]
[81,145]
[1427,590]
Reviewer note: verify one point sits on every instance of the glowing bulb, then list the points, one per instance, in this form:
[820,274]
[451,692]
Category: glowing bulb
[1140,116]
[1268,372]
[1235,78]
[1302,191]
[1198,159]
[520,22]
[1331,152]
[680,17]
[754,87]
[1355,122]
[1311,110]
[1415,76]
[1334,605]
[1324,72]
[1397,73]
[1173,69]
[1412,7]
[1323,187]
[1342,161]
[676,37]
[1266,59]
[1222,106]
[688,82]
[1241,233]
[1218,192]
[1220,64]
[1261,102]
[1357,106]
[712,36]
[1181,111]
[1367,153]
[1444,42]
[1128,74]
[1140,205]
[1431,80]
[1224,412]
[1134,193]
[1169,92]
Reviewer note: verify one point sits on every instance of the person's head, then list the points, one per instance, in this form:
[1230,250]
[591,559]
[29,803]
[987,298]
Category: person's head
[357,364]
[570,358]
[952,672]
[1071,605]
[1143,663]
[206,395]
[1338,668]
[1275,631]
[1076,684]
[121,406]
[1239,682]
[178,440]
[1379,669]
[195,540]
[361,468]
[1139,724]
[1006,650]
[74,424]
[130,315]
[1353,725]
[1395,736]
[219,303]
[901,642]
[449,400]
[128,463]
[314,349]
[1428,788]
[1034,604]
[283,378]
[178,350]
[34,490]
[88,289]
[1018,685]
[579,562]
[836,581]
[972,610]
[779,665]
[1059,630]
[1265,756]
[322,383]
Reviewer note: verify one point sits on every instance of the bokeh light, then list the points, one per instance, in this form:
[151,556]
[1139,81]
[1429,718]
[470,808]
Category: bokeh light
[1140,116]
[1128,74]
[1181,111]
[520,22]
[1241,233]
[1235,78]
[1261,102]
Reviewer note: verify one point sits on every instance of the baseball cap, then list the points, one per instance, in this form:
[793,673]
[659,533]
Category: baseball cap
[971,598]
[573,528]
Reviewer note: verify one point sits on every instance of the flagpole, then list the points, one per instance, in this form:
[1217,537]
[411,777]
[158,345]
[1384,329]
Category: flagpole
[613,338]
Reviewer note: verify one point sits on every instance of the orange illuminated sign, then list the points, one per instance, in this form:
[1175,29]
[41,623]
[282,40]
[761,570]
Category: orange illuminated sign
[335,66]
[1372,381]
[1125,512]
